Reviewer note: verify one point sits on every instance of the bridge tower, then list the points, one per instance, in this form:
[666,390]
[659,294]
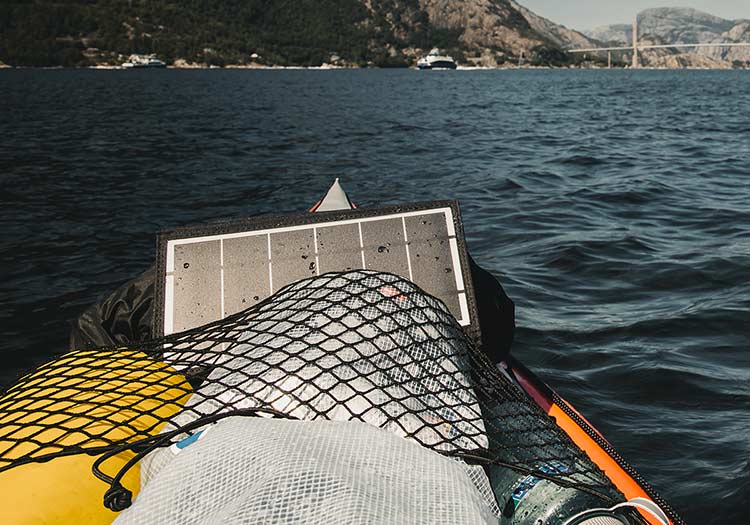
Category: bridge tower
[635,64]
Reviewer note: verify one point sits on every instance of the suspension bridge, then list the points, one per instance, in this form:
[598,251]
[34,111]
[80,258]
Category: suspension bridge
[636,47]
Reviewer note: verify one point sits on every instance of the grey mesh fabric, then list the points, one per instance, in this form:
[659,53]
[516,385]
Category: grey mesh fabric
[363,352]
[258,470]
[372,349]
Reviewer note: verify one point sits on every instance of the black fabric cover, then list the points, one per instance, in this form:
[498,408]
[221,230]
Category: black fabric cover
[123,317]
[497,313]
[126,315]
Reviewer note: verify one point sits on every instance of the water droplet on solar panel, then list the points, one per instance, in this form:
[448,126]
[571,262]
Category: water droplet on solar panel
[381,249]
[186,265]
[448,270]
[312,266]
[255,298]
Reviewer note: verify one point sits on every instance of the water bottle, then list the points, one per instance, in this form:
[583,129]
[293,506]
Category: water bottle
[526,499]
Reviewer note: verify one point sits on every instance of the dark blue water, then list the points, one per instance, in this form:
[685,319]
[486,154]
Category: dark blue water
[614,206]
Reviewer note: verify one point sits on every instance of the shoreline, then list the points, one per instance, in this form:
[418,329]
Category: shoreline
[330,67]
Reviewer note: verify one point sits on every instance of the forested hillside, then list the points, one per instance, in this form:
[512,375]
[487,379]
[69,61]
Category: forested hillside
[274,32]
[286,31]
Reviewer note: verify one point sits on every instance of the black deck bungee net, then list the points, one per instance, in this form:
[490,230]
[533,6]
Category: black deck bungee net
[359,345]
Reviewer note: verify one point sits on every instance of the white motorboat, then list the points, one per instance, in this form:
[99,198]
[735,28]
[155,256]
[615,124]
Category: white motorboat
[436,60]
[143,61]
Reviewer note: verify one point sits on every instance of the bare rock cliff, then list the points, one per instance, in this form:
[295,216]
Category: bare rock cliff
[484,31]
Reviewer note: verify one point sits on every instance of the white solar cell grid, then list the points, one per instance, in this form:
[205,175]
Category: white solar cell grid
[210,272]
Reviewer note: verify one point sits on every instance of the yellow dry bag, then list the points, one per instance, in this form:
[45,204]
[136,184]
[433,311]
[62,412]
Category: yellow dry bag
[79,402]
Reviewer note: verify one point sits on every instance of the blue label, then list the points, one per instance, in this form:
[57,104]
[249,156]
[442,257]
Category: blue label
[188,440]
[529,482]
[176,448]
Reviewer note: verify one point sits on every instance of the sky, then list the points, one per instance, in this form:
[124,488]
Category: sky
[587,14]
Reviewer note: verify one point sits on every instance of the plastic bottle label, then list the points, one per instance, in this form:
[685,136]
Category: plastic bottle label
[530,481]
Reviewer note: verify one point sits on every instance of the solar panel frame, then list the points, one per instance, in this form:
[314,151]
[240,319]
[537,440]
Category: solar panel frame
[226,229]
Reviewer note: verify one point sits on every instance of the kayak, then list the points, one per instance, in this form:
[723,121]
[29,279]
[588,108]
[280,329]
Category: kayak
[422,375]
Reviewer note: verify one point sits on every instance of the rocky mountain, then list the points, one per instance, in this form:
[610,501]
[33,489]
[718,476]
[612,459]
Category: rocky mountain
[612,34]
[279,32]
[673,25]
[676,58]
[690,26]
[682,24]
[493,31]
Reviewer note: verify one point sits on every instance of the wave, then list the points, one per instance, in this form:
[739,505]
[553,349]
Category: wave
[580,160]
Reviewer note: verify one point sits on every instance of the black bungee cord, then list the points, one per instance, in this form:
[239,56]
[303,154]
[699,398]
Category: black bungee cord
[118,498]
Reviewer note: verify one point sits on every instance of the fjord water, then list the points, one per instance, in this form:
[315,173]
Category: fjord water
[614,207]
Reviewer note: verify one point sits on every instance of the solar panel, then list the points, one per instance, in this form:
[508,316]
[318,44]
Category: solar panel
[212,271]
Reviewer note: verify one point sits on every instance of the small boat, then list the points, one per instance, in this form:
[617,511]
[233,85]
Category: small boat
[143,61]
[436,60]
